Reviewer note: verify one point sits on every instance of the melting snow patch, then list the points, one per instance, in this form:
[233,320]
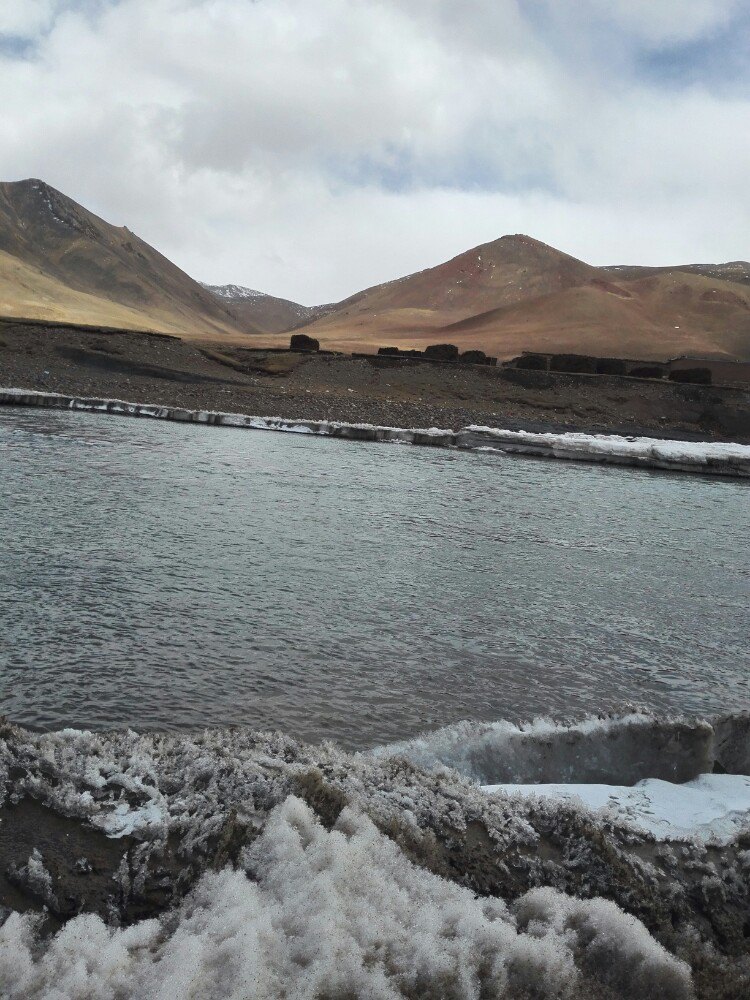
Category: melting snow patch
[712,808]
[124,820]
[614,445]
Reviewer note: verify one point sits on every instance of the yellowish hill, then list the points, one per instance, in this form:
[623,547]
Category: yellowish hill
[72,266]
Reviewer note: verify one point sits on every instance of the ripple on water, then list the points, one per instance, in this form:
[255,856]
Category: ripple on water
[176,576]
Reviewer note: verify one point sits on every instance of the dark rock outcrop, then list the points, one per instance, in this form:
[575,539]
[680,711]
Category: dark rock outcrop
[573,363]
[441,352]
[301,342]
[696,376]
[611,366]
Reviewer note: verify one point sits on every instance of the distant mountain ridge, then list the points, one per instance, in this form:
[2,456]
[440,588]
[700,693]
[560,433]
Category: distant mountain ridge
[258,311]
[233,291]
[61,263]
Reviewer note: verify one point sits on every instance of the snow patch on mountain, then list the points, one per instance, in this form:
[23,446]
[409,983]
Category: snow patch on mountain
[231,292]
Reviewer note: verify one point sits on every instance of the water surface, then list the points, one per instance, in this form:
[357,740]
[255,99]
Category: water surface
[161,575]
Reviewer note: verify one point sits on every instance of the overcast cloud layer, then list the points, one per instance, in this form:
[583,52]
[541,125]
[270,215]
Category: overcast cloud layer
[310,148]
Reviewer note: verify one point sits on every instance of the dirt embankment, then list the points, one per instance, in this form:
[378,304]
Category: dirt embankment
[169,371]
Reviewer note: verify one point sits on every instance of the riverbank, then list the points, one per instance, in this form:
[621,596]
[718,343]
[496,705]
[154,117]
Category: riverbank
[717,458]
[196,862]
[166,371]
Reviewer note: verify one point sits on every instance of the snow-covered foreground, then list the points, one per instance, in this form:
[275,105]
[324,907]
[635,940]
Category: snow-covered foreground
[310,912]
[238,864]
[719,458]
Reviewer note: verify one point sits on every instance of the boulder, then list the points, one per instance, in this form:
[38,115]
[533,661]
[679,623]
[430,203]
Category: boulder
[610,366]
[532,362]
[577,363]
[696,376]
[301,342]
[441,352]
[474,358]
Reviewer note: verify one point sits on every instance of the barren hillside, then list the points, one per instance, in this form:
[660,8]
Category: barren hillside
[62,262]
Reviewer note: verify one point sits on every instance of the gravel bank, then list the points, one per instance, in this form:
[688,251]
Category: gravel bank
[170,372]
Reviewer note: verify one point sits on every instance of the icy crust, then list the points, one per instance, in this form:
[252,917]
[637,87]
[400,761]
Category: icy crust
[704,456]
[342,913]
[278,865]
[615,448]
[613,749]
[712,808]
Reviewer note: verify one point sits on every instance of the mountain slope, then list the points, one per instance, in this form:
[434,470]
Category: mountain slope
[257,311]
[61,242]
[518,294]
[655,318]
[60,262]
[735,271]
[508,270]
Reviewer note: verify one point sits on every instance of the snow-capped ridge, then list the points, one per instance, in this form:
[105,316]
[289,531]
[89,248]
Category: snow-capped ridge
[234,291]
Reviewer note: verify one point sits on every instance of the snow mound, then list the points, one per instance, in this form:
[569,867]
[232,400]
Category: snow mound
[342,913]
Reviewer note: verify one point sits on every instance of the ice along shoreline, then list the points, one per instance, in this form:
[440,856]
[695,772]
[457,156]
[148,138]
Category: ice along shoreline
[717,458]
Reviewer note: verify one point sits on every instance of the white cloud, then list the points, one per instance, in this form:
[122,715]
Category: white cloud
[312,147]
[25,18]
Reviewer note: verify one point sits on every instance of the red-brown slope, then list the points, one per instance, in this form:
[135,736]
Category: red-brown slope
[657,317]
[509,270]
[518,294]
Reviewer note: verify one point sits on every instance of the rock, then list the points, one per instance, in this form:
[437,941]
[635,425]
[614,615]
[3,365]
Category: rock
[474,358]
[611,366]
[301,342]
[441,352]
[696,376]
[573,363]
[532,362]
[647,371]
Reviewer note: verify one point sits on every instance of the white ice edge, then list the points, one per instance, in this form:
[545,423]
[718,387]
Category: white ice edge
[722,457]
[710,809]
[616,444]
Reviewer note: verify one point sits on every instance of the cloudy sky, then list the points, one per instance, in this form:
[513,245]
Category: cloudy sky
[310,148]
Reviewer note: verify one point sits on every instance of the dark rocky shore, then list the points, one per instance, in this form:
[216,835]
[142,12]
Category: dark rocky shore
[163,370]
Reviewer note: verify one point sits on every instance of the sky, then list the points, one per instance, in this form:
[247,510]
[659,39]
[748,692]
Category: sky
[311,148]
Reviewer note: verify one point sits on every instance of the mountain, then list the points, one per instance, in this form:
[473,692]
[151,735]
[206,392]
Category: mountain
[734,270]
[655,318]
[517,294]
[58,261]
[508,271]
[257,311]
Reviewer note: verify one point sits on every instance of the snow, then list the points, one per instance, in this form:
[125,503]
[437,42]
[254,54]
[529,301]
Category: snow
[314,912]
[693,452]
[124,821]
[614,749]
[712,808]
[234,291]
[353,906]
[690,456]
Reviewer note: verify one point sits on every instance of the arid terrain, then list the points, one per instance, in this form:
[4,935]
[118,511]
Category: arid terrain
[171,371]
[60,263]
